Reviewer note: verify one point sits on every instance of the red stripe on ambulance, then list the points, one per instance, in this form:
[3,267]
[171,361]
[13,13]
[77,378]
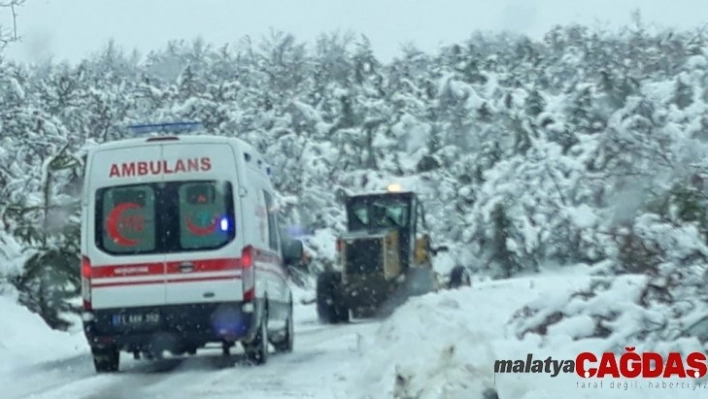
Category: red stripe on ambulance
[159,268]
[267,263]
[163,281]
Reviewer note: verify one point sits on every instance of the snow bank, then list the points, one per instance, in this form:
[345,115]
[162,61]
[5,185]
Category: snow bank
[427,350]
[25,339]
[444,345]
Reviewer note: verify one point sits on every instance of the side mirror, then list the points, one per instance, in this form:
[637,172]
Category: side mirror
[293,251]
[340,195]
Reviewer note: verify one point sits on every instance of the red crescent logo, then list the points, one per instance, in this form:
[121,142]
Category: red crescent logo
[202,231]
[112,224]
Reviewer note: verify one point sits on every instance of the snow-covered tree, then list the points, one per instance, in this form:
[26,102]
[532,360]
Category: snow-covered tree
[524,152]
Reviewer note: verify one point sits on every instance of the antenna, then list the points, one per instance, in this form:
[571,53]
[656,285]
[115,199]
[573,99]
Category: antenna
[172,127]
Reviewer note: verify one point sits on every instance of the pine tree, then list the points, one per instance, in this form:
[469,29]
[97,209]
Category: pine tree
[50,279]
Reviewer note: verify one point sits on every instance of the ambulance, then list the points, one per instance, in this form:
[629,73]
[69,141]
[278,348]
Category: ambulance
[181,249]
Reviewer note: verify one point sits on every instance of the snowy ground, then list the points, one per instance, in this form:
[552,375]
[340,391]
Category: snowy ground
[25,339]
[438,346]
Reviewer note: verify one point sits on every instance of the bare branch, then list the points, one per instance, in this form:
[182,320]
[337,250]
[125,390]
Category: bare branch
[7,38]
[14,21]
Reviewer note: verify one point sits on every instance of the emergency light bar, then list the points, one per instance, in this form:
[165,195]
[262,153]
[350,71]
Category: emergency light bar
[174,127]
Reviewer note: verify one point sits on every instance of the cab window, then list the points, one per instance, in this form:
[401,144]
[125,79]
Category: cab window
[360,217]
[384,213]
[391,214]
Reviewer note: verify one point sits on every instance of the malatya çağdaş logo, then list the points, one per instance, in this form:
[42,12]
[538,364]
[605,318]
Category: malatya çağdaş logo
[611,365]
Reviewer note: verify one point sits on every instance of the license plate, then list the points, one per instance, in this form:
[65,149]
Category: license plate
[136,319]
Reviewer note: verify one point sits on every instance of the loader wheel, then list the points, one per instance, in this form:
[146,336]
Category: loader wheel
[459,277]
[330,308]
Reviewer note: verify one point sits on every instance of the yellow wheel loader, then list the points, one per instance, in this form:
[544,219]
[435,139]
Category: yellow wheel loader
[384,257]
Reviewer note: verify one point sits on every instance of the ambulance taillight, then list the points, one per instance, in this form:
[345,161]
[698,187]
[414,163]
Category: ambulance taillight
[248,274]
[86,282]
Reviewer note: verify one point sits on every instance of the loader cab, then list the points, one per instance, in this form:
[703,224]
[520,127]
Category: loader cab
[393,210]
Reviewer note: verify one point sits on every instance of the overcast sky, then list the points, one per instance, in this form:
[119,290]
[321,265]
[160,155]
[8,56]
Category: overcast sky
[71,29]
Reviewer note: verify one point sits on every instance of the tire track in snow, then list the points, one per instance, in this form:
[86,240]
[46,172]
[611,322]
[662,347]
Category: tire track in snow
[311,371]
[207,376]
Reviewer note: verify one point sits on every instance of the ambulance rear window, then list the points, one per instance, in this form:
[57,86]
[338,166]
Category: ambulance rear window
[203,215]
[128,222]
[153,218]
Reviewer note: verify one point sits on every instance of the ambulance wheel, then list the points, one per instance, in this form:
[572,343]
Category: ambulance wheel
[288,342]
[330,309]
[257,349]
[106,360]
[460,277]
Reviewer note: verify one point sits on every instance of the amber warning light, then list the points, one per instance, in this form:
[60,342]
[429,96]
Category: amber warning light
[395,188]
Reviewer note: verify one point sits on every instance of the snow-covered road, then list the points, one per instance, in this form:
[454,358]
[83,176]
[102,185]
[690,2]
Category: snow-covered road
[311,371]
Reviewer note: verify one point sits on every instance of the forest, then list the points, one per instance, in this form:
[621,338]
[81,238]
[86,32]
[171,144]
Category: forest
[586,147]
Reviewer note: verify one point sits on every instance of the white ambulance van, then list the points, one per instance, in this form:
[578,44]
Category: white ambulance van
[181,248]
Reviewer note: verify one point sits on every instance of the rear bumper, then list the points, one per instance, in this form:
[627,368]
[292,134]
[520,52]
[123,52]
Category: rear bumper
[179,328]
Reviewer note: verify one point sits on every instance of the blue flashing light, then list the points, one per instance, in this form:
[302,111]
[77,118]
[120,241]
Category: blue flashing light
[296,231]
[224,224]
[174,127]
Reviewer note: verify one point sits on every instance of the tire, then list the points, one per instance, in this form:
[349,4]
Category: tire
[288,342]
[106,360]
[343,314]
[459,277]
[257,350]
[330,308]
